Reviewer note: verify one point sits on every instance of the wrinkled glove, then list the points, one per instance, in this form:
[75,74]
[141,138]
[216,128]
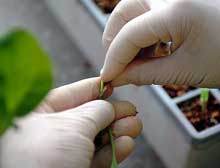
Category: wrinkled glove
[192,26]
[62,131]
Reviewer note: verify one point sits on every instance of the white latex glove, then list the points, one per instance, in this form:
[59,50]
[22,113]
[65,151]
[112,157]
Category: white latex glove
[64,139]
[193,27]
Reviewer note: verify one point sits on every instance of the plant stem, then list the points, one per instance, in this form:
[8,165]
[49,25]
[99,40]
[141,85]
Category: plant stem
[114,163]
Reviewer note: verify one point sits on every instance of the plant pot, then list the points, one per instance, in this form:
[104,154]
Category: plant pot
[177,90]
[181,145]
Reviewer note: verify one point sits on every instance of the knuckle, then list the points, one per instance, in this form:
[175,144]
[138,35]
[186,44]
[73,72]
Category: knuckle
[118,13]
[104,105]
[122,10]
[120,6]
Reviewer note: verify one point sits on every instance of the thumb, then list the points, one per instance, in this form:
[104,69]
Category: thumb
[173,69]
[73,95]
[141,32]
[90,118]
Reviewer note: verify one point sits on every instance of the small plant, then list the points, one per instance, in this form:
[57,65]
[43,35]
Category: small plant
[114,163]
[204,97]
[25,76]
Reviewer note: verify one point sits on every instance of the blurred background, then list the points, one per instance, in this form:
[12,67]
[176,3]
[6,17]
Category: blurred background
[66,30]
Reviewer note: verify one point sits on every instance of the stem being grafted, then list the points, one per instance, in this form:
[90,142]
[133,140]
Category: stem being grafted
[114,163]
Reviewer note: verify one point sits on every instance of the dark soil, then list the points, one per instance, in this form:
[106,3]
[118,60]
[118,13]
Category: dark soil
[201,120]
[177,90]
[107,6]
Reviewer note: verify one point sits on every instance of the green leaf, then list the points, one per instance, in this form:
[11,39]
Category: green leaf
[25,75]
[204,97]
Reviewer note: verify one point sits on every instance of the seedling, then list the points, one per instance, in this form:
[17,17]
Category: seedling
[204,97]
[114,163]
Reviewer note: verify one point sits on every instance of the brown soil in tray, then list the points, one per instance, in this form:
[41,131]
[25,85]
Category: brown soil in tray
[201,120]
[107,6]
[177,90]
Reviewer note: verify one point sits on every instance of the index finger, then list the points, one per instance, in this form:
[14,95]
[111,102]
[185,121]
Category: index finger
[141,32]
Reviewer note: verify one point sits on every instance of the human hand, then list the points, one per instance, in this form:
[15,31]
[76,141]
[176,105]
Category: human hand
[62,131]
[191,25]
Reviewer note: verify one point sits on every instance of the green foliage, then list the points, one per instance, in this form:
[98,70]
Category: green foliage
[25,76]
[204,97]
[114,163]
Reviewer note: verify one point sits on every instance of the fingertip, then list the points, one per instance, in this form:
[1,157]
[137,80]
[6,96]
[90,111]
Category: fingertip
[105,75]
[124,147]
[111,69]
[124,109]
[129,126]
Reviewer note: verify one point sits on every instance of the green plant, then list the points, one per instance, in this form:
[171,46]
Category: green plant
[204,97]
[25,76]
[114,163]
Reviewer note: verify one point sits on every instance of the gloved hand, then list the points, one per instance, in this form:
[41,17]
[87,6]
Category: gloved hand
[62,132]
[192,26]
